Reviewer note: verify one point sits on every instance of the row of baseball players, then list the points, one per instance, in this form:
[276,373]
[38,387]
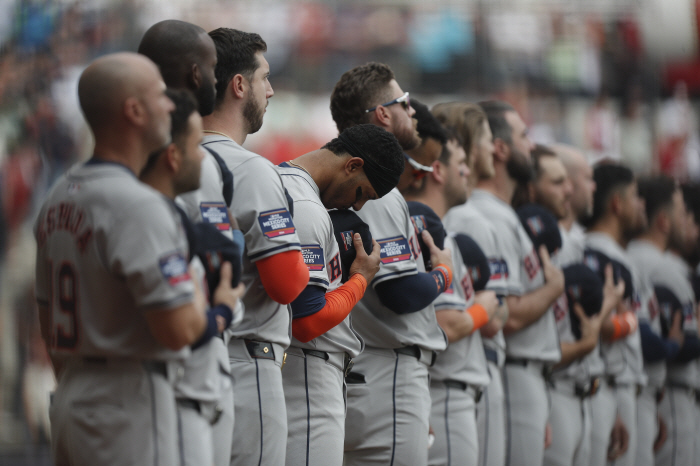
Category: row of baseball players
[179,405]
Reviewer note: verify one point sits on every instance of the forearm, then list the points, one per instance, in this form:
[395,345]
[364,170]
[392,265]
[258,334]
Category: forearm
[527,309]
[571,351]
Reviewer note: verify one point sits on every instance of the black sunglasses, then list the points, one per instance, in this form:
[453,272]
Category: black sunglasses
[404,100]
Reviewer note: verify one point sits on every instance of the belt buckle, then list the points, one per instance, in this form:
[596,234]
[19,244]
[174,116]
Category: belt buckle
[547,371]
[349,364]
[218,411]
[478,392]
[284,360]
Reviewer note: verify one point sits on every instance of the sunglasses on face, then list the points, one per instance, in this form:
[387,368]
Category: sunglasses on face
[404,100]
[419,170]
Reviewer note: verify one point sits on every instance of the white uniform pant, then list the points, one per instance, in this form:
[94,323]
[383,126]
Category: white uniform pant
[570,420]
[603,415]
[678,411]
[490,421]
[453,419]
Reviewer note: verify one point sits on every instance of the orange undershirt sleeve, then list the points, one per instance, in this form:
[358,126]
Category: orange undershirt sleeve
[283,275]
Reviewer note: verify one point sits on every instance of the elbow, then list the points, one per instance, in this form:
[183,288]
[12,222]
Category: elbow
[301,331]
[512,325]
[179,340]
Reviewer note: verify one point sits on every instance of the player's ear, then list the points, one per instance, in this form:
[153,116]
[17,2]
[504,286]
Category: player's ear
[353,164]
[382,117]
[439,173]
[134,111]
[501,150]
[238,86]
[173,157]
[195,77]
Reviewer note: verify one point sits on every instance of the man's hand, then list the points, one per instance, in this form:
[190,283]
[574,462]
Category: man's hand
[612,293]
[553,275]
[676,333]
[224,293]
[619,440]
[365,265]
[590,327]
[662,435]
[437,255]
[488,301]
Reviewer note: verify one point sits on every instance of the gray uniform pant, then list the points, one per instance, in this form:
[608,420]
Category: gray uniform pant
[195,437]
[678,411]
[490,421]
[387,417]
[647,427]
[260,430]
[527,411]
[453,419]
[315,397]
[603,414]
[113,412]
[570,420]
[626,398]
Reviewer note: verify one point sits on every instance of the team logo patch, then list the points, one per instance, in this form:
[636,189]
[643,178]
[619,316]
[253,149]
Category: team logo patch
[275,223]
[591,262]
[313,256]
[173,266]
[499,269]
[215,213]
[394,250]
[474,273]
[419,223]
[346,236]
[535,224]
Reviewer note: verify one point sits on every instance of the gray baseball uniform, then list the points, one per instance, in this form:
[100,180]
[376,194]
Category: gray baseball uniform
[530,351]
[389,399]
[314,381]
[490,410]
[207,379]
[457,379]
[570,411]
[110,249]
[678,406]
[623,359]
[646,257]
[256,346]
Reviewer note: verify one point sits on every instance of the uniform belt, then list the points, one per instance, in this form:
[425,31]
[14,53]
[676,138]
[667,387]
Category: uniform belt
[571,388]
[491,355]
[546,371]
[656,393]
[475,391]
[692,391]
[427,357]
[156,367]
[613,383]
[190,403]
[342,361]
[260,349]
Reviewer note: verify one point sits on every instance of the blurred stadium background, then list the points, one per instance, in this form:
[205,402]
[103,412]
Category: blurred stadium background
[617,78]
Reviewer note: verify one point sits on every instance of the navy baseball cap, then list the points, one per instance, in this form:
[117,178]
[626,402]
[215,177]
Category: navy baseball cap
[669,304]
[425,218]
[597,261]
[474,258]
[541,226]
[213,249]
[345,224]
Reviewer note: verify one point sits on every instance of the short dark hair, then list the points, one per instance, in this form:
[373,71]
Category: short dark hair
[537,153]
[610,178]
[428,126]
[657,193]
[174,46]
[235,54]
[496,113]
[357,90]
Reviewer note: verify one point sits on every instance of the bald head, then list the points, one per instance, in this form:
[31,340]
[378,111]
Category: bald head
[581,177]
[186,57]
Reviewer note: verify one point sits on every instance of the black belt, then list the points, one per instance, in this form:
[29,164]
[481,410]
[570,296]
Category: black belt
[190,403]
[694,392]
[584,392]
[156,367]
[546,368]
[491,355]
[416,352]
[458,385]
[610,379]
[260,349]
[348,363]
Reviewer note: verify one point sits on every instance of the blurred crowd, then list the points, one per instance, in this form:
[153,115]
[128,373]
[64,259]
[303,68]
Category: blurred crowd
[578,75]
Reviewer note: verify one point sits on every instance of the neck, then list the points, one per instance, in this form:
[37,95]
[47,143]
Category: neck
[160,182]
[322,165]
[500,185]
[568,221]
[228,121]
[431,197]
[611,227]
[655,237]
[128,151]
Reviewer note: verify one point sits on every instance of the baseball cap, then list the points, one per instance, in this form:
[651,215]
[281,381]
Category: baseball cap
[474,258]
[582,285]
[425,218]
[345,224]
[669,304]
[597,261]
[213,249]
[541,226]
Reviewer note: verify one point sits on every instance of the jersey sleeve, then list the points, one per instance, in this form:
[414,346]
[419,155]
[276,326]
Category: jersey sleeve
[510,255]
[262,211]
[315,233]
[147,246]
[391,227]
[489,243]
[454,297]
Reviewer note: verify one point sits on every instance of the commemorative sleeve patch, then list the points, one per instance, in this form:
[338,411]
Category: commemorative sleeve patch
[499,269]
[313,256]
[274,223]
[173,266]
[394,250]
[215,213]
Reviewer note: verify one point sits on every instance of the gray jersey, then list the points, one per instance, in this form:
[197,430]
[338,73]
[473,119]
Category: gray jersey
[110,249]
[463,360]
[646,258]
[379,326]
[207,204]
[261,209]
[321,255]
[467,219]
[623,358]
[538,340]
[672,272]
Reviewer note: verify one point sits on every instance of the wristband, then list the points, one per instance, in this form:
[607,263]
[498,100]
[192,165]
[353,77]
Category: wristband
[621,327]
[443,277]
[479,315]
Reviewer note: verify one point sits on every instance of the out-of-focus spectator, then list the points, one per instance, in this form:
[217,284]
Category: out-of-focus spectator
[636,132]
[678,145]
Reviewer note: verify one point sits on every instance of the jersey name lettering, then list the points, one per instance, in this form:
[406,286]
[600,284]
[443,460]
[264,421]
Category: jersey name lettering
[64,217]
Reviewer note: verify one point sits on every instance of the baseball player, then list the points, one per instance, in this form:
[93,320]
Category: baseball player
[532,287]
[572,383]
[459,374]
[388,395]
[661,339]
[617,214]
[186,57]
[274,271]
[472,125]
[363,163]
[115,297]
